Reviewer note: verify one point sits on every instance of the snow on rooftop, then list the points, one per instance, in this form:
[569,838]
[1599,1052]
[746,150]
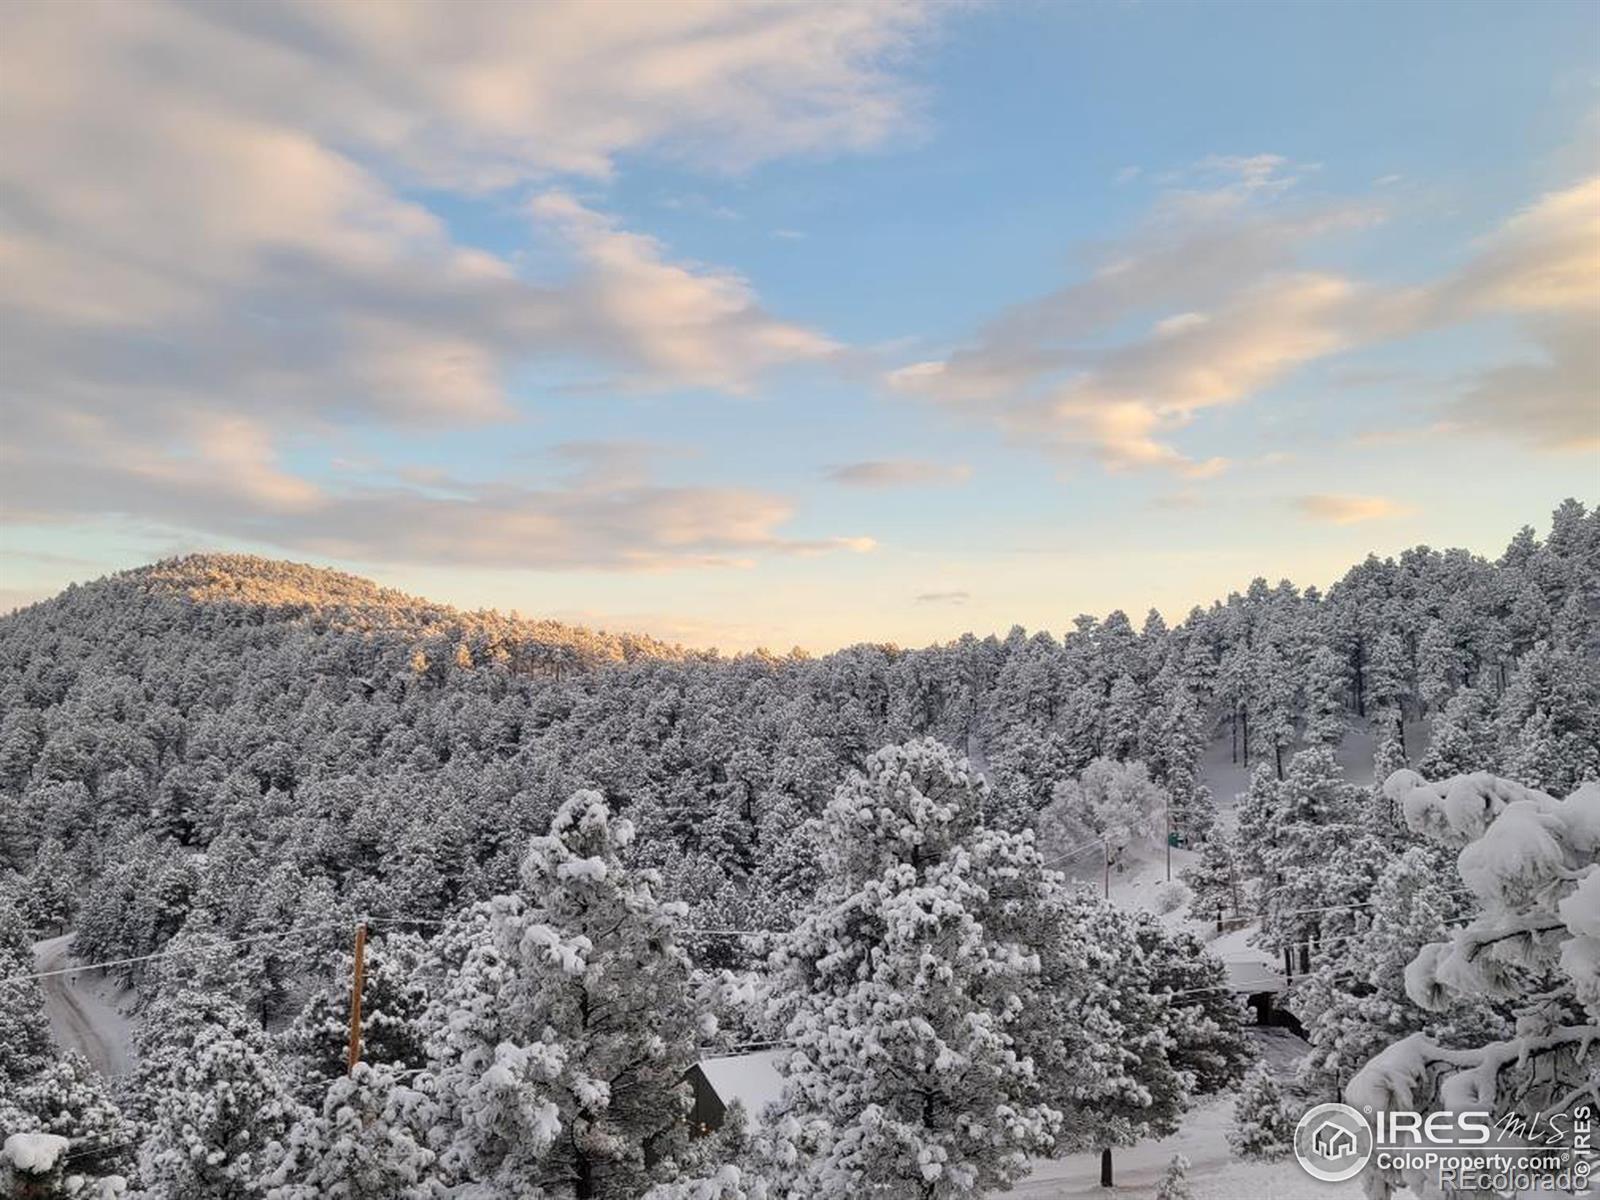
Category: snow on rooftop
[752,1079]
[1252,975]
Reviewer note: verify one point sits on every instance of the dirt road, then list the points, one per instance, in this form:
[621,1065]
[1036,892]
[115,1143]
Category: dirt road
[81,1018]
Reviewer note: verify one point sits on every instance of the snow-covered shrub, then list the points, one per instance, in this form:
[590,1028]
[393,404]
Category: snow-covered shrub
[1262,1125]
[726,1182]
[1171,896]
[1174,1184]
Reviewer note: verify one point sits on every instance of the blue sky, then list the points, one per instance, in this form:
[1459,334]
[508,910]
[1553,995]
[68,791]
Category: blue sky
[777,324]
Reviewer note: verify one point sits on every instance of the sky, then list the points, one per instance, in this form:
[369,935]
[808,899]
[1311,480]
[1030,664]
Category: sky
[770,324]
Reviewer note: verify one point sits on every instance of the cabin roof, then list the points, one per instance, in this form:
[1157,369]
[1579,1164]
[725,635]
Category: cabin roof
[752,1079]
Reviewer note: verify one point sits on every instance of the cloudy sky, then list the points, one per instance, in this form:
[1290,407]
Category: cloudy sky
[778,324]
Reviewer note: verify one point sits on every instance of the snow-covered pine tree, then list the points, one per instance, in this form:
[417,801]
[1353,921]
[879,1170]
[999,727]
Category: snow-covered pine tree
[1355,1003]
[1259,820]
[1214,881]
[1549,721]
[562,1043]
[393,1003]
[1124,712]
[1389,688]
[367,1140]
[1262,1126]
[1202,1015]
[1099,1029]
[1462,738]
[48,895]
[1325,689]
[1532,864]
[25,1049]
[906,1080]
[69,1100]
[1172,743]
[1272,697]
[220,1112]
[1315,808]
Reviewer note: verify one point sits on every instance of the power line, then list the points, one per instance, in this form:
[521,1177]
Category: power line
[170,953]
[1074,851]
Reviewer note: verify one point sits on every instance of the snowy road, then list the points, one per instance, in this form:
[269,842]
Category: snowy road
[81,1017]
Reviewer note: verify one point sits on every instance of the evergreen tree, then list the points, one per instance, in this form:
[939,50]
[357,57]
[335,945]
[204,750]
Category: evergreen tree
[47,899]
[562,1042]
[25,1049]
[1214,881]
[1549,723]
[1125,711]
[1532,950]
[1325,689]
[368,1141]
[906,1079]
[1272,701]
[220,1112]
[1262,1125]
[1355,1003]
[1259,823]
[393,1004]
[69,1100]
[1388,687]
[1315,810]
[1462,738]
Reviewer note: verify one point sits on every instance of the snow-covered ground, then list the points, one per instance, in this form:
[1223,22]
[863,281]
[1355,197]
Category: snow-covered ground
[85,1008]
[1214,1173]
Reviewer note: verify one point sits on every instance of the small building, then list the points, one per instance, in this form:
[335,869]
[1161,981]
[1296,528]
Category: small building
[1261,985]
[748,1079]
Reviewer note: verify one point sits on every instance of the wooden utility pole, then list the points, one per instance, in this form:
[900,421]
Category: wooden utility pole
[1169,838]
[354,1055]
[1105,845]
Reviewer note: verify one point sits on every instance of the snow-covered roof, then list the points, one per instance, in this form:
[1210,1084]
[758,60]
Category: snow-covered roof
[1253,975]
[752,1079]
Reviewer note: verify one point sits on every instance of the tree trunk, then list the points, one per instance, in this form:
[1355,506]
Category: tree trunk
[1105,1168]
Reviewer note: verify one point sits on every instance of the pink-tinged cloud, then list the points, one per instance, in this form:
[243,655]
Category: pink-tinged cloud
[1340,509]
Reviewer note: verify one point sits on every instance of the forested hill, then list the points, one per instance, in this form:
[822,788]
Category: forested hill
[201,592]
[333,746]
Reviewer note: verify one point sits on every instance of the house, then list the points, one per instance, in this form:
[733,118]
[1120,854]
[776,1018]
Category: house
[749,1079]
[1333,1141]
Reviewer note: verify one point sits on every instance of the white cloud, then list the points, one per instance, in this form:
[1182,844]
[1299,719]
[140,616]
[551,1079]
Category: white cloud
[206,244]
[1221,311]
[903,472]
[673,325]
[607,514]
